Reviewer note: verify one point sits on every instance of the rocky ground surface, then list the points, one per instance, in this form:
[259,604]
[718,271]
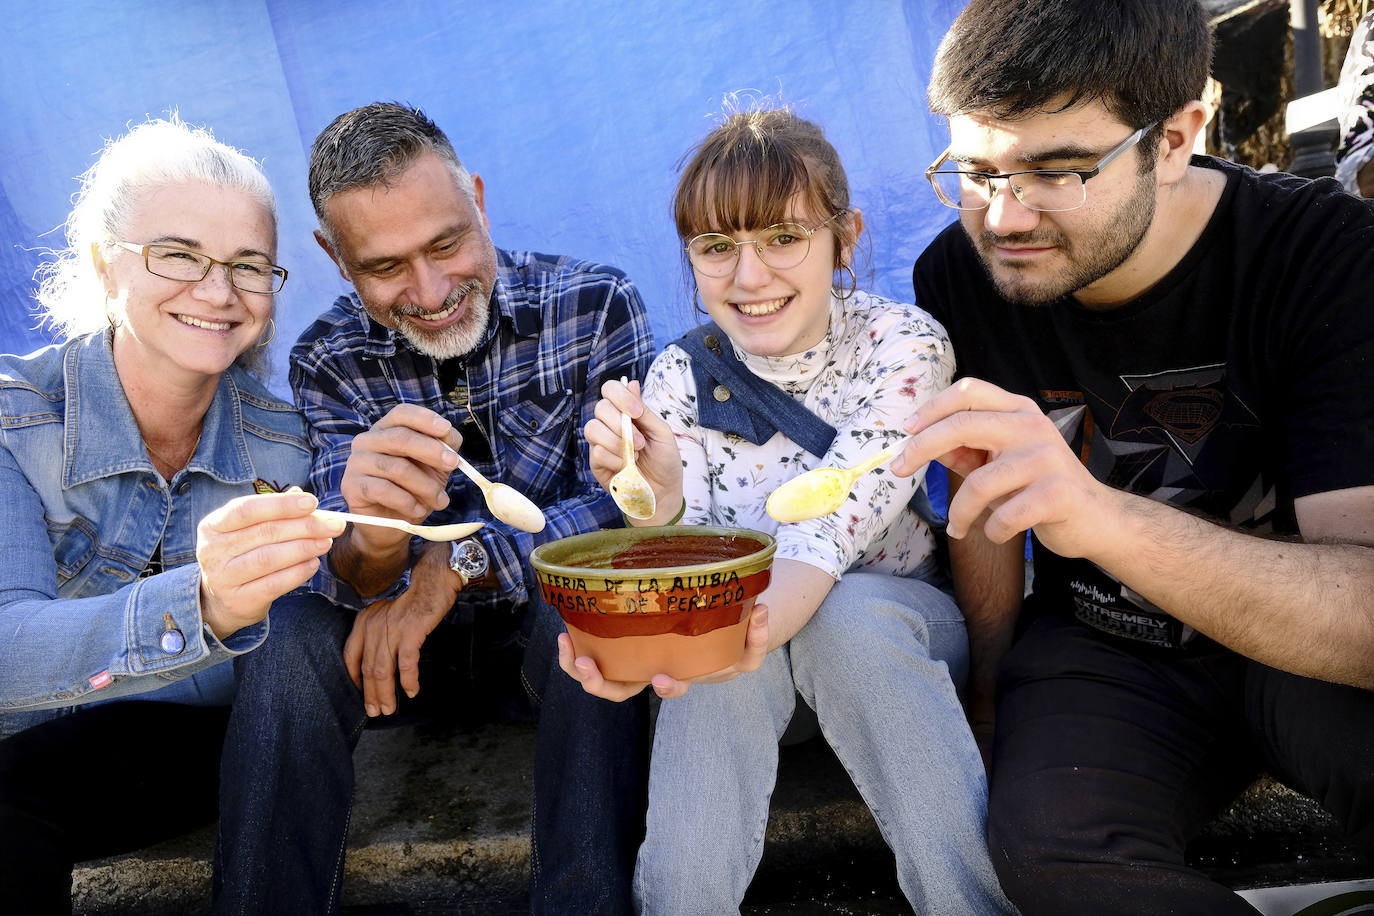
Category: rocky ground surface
[441,826]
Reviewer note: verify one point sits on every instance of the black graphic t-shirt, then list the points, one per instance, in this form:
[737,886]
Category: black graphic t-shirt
[1241,381]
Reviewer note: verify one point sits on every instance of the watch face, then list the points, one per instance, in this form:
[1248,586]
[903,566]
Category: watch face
[469,558]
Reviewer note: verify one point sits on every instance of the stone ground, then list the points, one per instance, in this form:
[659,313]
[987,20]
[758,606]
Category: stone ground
[441,826]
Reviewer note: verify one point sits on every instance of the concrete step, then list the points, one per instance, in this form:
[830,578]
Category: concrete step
[442,814]
[441,824]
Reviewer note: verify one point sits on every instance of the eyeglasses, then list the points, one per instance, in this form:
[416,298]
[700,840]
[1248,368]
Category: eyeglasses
[1037,189]
[174,263]
[780,246]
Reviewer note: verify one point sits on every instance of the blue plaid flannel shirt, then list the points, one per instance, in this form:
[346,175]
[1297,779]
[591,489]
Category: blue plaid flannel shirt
[560,328]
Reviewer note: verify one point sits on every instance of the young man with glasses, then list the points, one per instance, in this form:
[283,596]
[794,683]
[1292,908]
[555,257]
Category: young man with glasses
[447,346]
[1165,376]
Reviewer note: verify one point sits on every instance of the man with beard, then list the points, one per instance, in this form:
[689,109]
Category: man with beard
[447,345]
[1165,377]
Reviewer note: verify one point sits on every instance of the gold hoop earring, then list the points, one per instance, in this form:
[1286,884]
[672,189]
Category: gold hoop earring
[853,283]
[272,324]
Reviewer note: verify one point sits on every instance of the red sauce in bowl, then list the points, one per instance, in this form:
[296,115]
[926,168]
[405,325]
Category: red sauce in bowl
[683,550]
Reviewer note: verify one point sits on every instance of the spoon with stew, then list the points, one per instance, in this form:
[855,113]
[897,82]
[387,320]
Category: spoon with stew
[631,492]
[821,491]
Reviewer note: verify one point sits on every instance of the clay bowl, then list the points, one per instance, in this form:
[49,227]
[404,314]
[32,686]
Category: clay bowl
[669,600]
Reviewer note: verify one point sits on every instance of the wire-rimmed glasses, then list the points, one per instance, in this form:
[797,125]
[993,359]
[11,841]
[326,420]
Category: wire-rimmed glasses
[172,262]
[780,246]
[1050,190]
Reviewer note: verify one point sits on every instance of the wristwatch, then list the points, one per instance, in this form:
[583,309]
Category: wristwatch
[468,558]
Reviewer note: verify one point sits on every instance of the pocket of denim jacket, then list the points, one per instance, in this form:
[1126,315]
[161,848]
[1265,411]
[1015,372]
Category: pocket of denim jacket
[73,548]
[82,570]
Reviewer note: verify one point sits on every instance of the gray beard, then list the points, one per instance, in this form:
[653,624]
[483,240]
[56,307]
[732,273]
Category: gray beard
[459,339]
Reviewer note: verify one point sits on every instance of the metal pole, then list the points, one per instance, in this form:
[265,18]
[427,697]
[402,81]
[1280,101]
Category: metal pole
[1313,148]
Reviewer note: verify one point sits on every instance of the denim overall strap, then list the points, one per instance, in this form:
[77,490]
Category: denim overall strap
[731,399]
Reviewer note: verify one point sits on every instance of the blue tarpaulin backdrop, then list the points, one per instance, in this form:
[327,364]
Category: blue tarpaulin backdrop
[576,115]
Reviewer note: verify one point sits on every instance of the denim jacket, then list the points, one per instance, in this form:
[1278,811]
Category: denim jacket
[82,511]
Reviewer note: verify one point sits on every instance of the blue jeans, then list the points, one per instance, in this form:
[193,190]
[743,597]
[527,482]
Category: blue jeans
[591,777]
[287,774]
[878,662]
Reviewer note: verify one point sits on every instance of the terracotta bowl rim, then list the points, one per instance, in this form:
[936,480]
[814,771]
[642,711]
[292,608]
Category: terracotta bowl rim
[763,555]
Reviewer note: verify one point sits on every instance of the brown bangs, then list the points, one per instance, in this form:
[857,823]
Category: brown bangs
[741,178]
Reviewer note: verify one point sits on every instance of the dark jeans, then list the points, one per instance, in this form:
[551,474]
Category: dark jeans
[288,771]
[1108,760]
[591,785]
[97,782]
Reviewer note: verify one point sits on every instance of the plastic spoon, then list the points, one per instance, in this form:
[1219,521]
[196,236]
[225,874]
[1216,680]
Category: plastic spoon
[821,491]
[505,502]
[428,532]
[628,487]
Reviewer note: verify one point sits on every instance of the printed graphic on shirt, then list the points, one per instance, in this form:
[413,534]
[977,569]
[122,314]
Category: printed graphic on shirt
[1184,404]
[1061,396]
[1172,436]
[1107,605]
[459,394]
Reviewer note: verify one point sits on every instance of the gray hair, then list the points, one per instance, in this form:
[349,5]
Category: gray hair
[370,146]
[154,154]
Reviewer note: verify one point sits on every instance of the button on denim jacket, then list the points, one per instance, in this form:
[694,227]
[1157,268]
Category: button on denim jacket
[82,511]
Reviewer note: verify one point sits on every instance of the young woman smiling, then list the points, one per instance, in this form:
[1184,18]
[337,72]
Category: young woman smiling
[795,372]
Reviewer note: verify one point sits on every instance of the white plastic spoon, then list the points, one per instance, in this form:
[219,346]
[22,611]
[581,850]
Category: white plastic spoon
[428,532]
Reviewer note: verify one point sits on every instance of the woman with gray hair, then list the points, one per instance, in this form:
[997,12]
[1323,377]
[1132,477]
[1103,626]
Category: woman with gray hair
[142,537]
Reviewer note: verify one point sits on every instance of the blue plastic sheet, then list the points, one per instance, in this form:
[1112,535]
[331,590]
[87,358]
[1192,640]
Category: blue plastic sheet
[576,114]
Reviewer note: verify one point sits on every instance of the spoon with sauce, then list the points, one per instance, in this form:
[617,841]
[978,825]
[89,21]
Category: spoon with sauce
[628,487]
[505,502]
[821,491]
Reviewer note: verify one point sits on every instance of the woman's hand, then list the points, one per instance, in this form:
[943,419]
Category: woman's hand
[583,670]
[254,549]
[657,454]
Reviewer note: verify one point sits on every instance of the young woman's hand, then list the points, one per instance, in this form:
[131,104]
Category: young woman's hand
[584,670]
[657,454]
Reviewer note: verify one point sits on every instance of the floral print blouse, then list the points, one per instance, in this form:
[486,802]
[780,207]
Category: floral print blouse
[878,362]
